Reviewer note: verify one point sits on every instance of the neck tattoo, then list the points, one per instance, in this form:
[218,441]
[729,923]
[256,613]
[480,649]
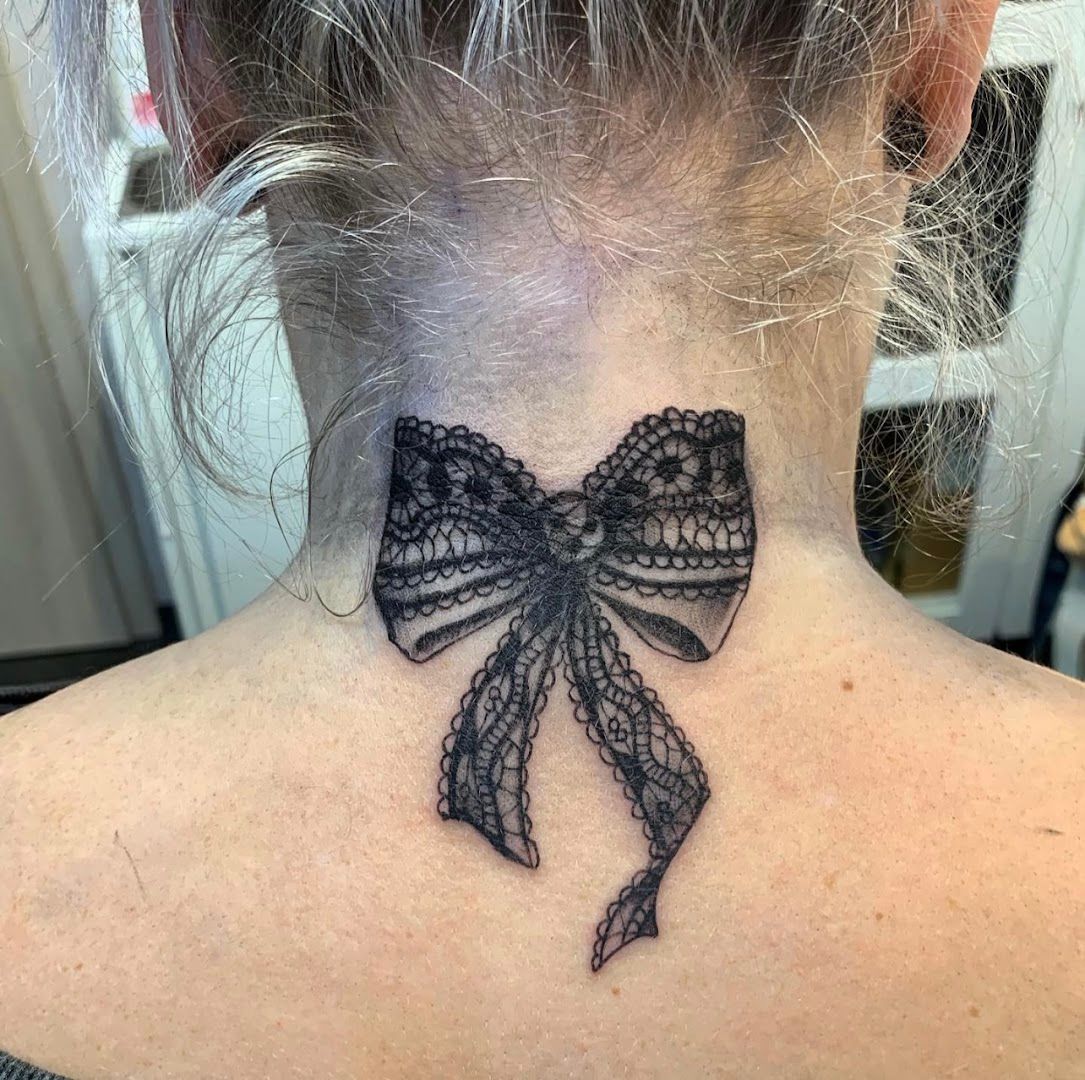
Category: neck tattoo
[660,536]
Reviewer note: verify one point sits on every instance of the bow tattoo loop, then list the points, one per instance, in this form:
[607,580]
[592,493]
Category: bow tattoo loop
[660,537]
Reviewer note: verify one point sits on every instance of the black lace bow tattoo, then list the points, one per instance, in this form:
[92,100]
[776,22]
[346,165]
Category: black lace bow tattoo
[660,534]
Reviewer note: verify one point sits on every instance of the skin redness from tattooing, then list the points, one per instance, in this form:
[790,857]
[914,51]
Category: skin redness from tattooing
[660,537]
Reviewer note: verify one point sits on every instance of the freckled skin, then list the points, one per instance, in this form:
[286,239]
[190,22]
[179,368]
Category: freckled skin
[307,912]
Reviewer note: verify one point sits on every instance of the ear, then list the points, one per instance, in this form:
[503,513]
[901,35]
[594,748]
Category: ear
[939,79]
[199,114]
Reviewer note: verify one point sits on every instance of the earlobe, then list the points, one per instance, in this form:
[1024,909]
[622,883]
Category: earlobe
[938,82]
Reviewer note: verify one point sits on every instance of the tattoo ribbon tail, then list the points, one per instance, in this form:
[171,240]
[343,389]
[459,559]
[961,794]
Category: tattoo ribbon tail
[484,768]
[631,916]
[660,773]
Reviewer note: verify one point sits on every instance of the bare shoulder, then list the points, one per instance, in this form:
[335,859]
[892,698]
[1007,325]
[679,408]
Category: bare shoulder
[88,774]
[121,795]
[126,752]
[932,843]
[103,741]
[997,858]
[171,714]
[141,748]
[1031,711]
[166,827]
[997,732]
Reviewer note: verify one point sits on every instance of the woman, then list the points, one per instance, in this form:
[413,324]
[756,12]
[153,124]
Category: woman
[581,299]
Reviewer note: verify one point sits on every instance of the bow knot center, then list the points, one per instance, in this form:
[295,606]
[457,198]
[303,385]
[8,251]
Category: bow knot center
[575,529]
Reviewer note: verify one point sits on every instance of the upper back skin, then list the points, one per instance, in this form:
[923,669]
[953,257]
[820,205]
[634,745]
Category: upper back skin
[225,860]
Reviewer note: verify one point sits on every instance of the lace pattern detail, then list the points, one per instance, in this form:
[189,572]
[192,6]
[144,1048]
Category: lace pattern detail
[660,535]
[659,772]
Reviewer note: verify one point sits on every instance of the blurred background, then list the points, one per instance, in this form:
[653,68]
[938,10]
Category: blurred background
[110,548]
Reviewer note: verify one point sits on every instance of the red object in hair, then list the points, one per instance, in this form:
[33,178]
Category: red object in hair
[143,109]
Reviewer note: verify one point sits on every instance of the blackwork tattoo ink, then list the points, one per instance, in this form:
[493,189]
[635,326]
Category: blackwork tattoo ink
[660,535]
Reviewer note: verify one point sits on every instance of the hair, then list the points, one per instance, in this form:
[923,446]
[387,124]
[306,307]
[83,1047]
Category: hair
[381,124]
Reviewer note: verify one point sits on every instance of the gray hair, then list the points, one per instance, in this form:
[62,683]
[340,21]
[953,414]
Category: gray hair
[380,122]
